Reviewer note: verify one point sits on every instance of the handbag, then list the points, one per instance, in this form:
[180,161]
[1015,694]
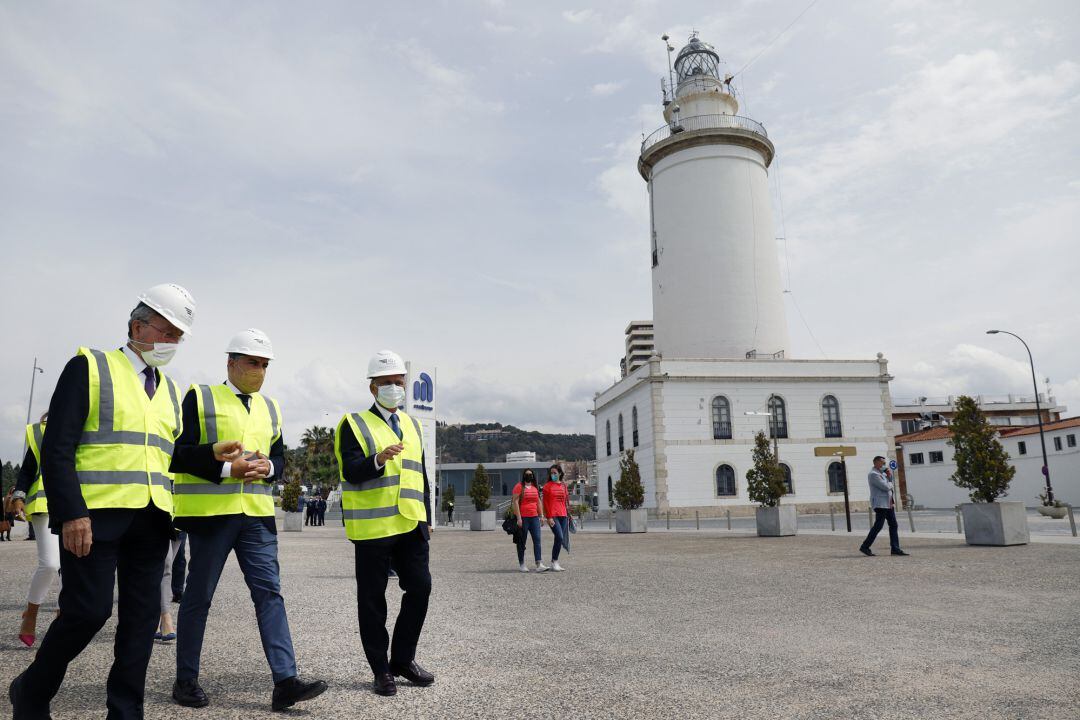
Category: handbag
[5,526]
[573,524]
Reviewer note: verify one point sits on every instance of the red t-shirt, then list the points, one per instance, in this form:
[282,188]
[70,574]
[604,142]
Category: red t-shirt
[554,499]
[530,501]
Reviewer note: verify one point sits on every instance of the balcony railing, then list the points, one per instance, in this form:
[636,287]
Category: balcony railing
[721,430]
[703,122]
[777,429]
[832,429]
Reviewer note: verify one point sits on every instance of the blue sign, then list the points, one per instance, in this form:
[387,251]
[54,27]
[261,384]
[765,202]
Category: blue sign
[423,392]
[892,464]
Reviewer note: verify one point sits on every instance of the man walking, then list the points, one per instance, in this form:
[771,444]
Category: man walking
[881,499]
[113,419]
[386,508]
[228,507]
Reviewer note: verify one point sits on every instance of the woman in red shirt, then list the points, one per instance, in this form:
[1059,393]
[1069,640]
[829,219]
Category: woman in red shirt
[555,498]
[526,505]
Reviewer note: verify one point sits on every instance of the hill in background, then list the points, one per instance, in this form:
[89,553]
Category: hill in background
[490,442]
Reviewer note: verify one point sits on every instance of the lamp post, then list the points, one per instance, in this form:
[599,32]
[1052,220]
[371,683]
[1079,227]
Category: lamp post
[772,427]
[29,405]
[1038,411]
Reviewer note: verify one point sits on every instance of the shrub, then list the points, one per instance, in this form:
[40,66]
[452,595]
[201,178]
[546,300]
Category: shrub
[481,489]
[290,495]
[628,491]
[765,481]
[982,465]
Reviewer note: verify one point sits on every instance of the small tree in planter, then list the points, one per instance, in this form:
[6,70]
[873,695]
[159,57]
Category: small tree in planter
[290,497]
[480,492]
[982,466]
[630,496]
[765,485]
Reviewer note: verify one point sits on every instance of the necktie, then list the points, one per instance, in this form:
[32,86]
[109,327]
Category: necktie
[246,399]
[151,382]
[395,425]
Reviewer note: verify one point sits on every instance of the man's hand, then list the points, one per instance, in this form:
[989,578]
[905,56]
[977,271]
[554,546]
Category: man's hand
[78,536]
[248,469]
[390,452]
[261,464]
[228,451]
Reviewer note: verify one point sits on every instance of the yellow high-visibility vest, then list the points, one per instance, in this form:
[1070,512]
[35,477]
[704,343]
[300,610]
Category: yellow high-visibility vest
[394,503]
[35,499]
[123,456]
[222,416]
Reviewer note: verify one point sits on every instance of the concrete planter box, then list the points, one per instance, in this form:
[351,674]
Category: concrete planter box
[632,521]
[294,522]
[776,521]
[482,520]
[996,523]
[1053,512]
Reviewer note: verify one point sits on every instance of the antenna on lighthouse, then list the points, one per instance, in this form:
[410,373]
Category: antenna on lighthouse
[671,74]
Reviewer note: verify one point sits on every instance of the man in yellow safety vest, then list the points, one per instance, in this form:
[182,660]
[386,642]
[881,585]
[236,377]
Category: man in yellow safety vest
[386,507]
[113,420]
[228,507]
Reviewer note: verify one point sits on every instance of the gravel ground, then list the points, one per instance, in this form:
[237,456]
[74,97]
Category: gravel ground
[662,625]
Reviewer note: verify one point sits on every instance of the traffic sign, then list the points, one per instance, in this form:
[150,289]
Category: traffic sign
[892,464]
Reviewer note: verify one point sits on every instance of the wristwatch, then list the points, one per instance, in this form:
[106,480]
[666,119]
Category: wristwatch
[18,495]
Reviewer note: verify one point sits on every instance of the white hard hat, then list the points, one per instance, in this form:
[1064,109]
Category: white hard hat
[385,362]
[173,303]
[252,342]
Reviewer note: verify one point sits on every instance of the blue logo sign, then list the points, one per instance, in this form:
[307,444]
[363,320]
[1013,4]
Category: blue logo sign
[423,390]
[892,464]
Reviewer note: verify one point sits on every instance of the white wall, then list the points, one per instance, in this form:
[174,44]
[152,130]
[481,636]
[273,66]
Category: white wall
[930,486]
[638,395]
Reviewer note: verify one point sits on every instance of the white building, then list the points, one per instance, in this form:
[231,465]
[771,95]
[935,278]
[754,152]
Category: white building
[721,369]
[521,456]
[928,464]
[914,414]
[639,345]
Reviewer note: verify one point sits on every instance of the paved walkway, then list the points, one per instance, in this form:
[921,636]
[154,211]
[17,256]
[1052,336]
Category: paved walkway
[661,625]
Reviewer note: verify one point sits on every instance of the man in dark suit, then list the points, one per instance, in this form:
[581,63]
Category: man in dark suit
[386,506]
[112,423]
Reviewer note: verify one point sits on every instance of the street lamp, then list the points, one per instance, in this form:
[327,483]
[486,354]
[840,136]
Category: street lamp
[1038,411]
[773,428]
[29,405]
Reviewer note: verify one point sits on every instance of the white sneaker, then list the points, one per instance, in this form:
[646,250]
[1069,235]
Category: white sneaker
[556,566]
[541,567]
[522,568]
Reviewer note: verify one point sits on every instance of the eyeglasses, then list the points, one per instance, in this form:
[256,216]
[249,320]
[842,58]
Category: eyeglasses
[173,335]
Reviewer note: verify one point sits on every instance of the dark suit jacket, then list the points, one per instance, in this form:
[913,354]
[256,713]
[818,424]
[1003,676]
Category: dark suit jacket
[68,410]
[27,472]
[192,458]
[359,468]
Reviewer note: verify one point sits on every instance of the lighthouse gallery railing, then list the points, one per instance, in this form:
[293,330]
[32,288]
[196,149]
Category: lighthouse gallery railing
[703,122]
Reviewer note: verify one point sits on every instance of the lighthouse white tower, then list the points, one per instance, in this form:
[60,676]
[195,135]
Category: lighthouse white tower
[716,280]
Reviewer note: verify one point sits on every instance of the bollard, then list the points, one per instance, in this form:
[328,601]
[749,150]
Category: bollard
[832,518]
[728,513]
[911,519]
[697,521]
[959,527]
[870,515]
[609,519]
[1072,520]
[668,519]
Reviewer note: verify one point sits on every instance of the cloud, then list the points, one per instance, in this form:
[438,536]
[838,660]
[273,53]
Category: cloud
[607,88]
[498,29]
[577,17]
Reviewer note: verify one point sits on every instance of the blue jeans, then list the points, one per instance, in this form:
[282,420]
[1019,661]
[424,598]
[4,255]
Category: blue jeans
[561,531]
[882,516]
[256,552]
[530,525]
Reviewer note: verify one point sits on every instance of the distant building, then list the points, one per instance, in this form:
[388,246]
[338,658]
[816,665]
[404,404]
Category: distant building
[914,414]
[926,464]
[502,476]
[480,435]
[525,456]
[639,346]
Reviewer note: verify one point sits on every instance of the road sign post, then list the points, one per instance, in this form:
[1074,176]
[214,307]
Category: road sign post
[843,452]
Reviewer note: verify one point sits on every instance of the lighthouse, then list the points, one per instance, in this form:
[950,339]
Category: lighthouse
[715,274]
[712,368]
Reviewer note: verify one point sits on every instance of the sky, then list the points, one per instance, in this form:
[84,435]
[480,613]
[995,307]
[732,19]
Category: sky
[456,181]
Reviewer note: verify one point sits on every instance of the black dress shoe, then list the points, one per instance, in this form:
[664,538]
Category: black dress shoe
[413,673]
[899,552]
[189,694]
[19,711]
[866,551]
[384,684]
[292,690]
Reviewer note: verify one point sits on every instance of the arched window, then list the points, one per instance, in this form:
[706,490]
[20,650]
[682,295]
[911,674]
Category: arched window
[622,442]
[830,415]
[610,492]
[787,477]
[836,477]
[633,425]
[778,421]
[721,418]
[608,433]
[725,481]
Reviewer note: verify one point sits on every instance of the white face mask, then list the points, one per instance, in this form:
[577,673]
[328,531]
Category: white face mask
[160,355]
[391,396]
